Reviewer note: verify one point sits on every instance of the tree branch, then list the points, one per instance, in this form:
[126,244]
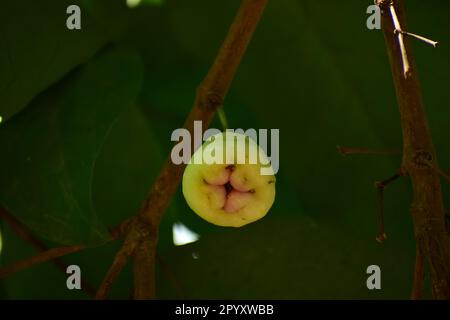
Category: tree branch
[210,96]
[419,37]
[144,270]
[42,257]
[419,156]
[381,185]
[132,240]
[54,255]
[419,274]
[27,236]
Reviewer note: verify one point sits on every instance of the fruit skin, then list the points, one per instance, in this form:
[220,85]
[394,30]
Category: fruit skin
[229,194]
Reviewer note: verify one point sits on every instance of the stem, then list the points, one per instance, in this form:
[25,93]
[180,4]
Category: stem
[42,257]
[144,270]
[47,254]
[418,37]
[120,260]
[223,118]
[401,41]
[419,160]
[210,96]
[419,274]
[39,245]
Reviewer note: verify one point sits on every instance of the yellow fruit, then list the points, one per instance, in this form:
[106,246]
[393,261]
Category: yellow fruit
[231,192]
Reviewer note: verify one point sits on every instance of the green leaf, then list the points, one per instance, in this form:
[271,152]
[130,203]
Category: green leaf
[37,49]
[286,258]
[30,282]
[128,163]
[51,148]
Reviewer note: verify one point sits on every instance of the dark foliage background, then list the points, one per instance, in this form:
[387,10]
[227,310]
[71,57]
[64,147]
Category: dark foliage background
[86,123]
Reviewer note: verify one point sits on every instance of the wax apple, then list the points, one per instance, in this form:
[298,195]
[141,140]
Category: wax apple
[232,192]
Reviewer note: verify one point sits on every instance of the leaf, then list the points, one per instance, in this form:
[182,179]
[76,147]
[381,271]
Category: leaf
[30,282]
[37,50]
[286,258]
[50,149]
[126,167]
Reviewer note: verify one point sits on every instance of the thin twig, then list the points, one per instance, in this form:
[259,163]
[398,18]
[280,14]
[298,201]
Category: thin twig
[144,270]
[119,263]
[54,255]
[419,275]
[42,257]
[26,235]
[120,260]
[401,42]
[21,230]
[383,152]
[418,37]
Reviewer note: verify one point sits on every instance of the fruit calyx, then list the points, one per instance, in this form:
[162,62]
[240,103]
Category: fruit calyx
[234,194]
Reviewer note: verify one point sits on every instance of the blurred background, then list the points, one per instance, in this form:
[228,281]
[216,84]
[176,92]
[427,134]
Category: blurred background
[86,118]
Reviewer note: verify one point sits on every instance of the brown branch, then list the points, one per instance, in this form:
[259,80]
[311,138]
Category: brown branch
[42,257]
[21,230]
[419,37]
[144,270]
[419,158]
[120,260]
[419,274]
[48,255]
[381,185]
[210,96]
[26,235]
